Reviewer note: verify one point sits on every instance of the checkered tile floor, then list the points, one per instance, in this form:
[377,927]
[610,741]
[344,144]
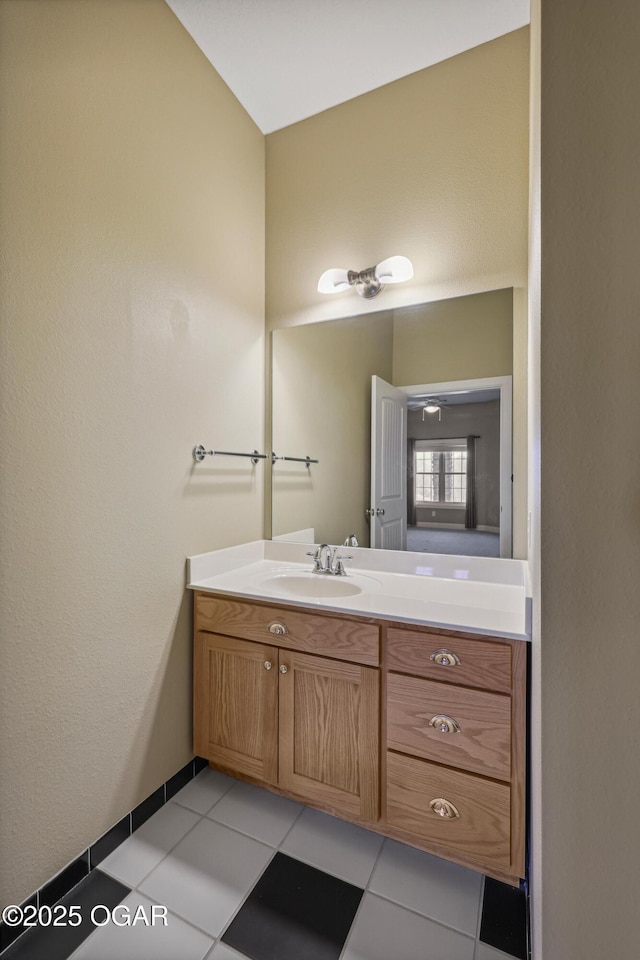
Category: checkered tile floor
[248,875]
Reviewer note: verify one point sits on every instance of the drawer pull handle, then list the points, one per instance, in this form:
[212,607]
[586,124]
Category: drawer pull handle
[444,724]
[268,664]
[445,658]
[278,628]
[444,808]
[284,668]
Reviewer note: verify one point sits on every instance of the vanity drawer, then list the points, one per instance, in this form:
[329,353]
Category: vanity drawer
[478,825]
[326,636]
[477,663]
[469,728]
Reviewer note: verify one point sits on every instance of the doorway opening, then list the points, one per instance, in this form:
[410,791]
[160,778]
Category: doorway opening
[441,467]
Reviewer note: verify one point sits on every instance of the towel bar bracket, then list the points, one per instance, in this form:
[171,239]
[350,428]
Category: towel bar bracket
[199,453]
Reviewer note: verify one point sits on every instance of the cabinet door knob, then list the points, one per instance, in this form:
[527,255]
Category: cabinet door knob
[445,658]
[268,664]
[444,808]
[278,628]
[284,668]
[444,724]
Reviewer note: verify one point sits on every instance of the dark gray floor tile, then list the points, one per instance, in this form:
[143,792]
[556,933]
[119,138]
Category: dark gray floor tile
[294,911]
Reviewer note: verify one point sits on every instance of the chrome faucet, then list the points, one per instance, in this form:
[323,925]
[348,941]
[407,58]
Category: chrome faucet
[327,561]
[351,541]
[324,558]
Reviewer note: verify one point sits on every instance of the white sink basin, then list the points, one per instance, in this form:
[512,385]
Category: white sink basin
[317,586]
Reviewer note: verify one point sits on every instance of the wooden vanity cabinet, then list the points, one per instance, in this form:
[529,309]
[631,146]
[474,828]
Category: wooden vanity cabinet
[304,723]
[414,732]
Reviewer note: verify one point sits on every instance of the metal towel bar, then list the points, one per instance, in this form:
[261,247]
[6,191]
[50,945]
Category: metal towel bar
[306,460]
[199,453]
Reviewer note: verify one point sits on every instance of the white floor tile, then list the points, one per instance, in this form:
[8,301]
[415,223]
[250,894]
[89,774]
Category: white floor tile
[436,888]
[485,952]
[383,930]
[203,791]
[137,856]
[208,874]
[259,813]
[339,848]
[139,942]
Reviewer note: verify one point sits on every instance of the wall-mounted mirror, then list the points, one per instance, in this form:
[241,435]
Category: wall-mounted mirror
[451,467]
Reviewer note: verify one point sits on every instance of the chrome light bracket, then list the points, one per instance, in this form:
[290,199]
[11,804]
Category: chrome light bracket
[365,282]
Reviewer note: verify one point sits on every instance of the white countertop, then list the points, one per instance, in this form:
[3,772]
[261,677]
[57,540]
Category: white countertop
[478,594]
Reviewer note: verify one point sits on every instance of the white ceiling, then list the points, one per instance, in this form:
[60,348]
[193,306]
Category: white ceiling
[289,59]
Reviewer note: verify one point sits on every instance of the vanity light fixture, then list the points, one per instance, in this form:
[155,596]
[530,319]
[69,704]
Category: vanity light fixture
[369,282]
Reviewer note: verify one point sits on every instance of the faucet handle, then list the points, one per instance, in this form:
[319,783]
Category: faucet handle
[338,568]
[316,554]
[337,563]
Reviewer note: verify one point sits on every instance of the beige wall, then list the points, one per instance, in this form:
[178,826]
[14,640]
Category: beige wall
[537,900]
[132,243]
[465,338]
[590,570]
[433,166]
[322,407]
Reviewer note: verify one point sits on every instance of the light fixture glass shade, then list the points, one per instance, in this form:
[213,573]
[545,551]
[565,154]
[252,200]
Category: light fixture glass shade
[432,408]
[333,281]
[394,270]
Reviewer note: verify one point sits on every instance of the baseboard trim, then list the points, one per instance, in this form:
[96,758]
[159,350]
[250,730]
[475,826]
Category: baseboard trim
[81,866]
[443,525]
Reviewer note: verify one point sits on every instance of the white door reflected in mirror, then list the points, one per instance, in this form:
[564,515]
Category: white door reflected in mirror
[388,466]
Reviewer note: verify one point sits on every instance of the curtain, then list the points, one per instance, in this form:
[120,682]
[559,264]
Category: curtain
[411,485]
[470,512]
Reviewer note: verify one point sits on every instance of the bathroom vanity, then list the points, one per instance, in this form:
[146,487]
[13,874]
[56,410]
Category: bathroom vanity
[393,698]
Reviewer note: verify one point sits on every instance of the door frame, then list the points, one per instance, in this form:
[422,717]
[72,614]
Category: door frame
[505,386]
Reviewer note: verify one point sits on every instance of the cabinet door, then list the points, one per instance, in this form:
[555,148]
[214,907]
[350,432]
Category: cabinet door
[236,705]
[329,716]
